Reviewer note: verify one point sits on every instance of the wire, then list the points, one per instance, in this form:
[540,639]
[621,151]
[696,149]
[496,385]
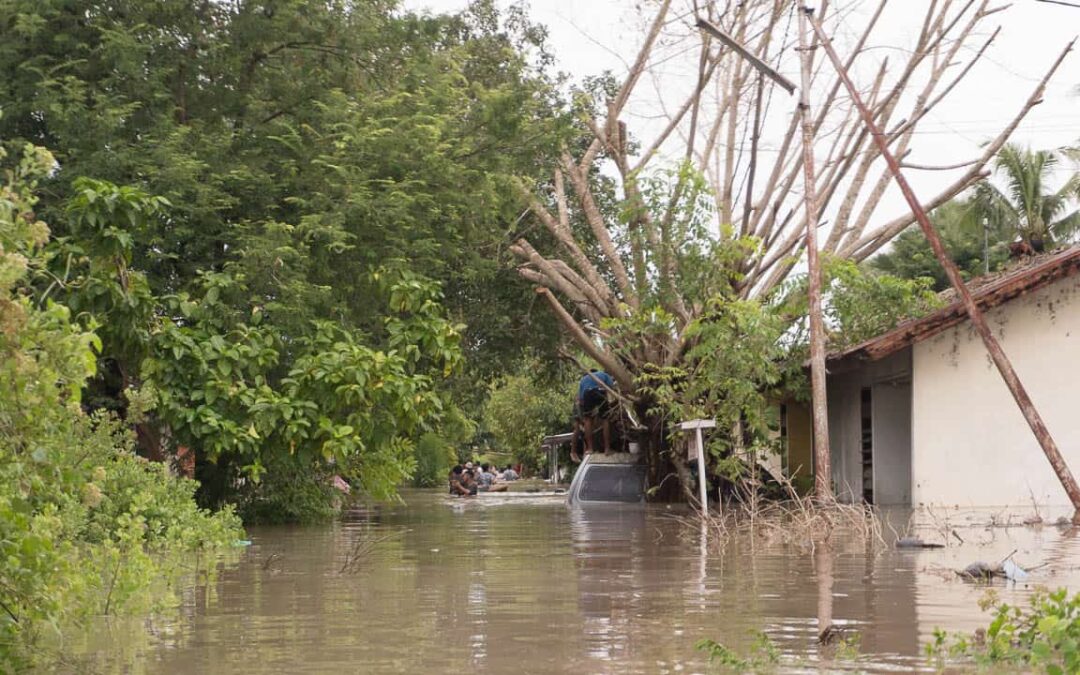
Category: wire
[1061,2]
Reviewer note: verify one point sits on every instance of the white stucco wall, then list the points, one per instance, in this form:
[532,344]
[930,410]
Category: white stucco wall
[970,444]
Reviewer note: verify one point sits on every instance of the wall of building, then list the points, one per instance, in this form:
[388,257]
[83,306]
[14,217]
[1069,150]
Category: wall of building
[971,445]
[890,412]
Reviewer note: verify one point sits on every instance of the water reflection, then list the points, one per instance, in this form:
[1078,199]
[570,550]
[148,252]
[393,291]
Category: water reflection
[526,585]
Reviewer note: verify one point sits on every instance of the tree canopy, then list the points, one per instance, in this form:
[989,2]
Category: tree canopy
[280,215]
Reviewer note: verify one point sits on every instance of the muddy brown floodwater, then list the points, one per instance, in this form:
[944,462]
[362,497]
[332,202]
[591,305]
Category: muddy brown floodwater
[523,584]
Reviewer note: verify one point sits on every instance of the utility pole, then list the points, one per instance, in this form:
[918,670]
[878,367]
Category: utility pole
[997,355]
[822,456]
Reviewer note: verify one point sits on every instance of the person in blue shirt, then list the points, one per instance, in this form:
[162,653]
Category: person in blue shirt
[592,400]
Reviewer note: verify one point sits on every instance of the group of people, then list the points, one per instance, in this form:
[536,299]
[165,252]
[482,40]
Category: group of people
[469,480]
[592,410]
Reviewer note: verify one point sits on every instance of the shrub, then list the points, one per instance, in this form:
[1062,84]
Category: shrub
[434,457]
[86,526]
[523,408]
[1045,636]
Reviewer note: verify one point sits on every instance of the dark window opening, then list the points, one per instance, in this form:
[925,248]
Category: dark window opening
[784,445]
[867,445]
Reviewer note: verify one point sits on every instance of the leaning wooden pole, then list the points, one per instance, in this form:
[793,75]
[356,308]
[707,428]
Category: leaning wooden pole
[822,457]
[1012,380]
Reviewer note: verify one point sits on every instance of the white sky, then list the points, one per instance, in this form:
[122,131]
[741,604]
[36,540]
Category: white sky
[589,36]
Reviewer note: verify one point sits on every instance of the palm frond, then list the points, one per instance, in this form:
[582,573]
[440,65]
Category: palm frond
[1066,229]
[989,207]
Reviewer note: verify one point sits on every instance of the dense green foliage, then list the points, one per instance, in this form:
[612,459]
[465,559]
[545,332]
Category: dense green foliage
[1028,208]
[434,457]
[525,406]
[862,304]
[86,526]
[734,366]
[1043,637]
[285,218]
[910,256]
[977,230]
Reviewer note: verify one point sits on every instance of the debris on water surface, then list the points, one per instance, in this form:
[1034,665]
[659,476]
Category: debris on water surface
[1012,571]
[980,571]
[915,542]
[833,634]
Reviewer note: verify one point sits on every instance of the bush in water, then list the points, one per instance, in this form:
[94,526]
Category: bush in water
[434,457]
[86,527]
[1045,636]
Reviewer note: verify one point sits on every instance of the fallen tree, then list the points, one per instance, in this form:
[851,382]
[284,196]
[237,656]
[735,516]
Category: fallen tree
[647,245]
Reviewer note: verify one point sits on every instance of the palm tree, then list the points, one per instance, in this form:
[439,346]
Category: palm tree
[1025,208]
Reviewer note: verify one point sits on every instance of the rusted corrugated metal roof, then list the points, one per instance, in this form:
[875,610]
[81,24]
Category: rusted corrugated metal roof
[989,291]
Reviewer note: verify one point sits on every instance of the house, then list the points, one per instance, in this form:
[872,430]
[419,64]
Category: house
[920,415]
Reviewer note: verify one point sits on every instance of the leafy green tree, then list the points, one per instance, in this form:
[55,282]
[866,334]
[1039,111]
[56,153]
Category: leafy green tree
[910,255]
[861,304]
[293,150]
[86,527]
[294,140]
[247,394]
[525,406]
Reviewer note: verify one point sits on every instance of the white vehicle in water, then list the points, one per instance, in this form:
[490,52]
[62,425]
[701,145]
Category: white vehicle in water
[610,478]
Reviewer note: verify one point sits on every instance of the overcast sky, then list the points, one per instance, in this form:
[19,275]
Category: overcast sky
[589,36]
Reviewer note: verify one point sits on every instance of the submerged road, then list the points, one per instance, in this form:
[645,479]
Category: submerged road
[523,584]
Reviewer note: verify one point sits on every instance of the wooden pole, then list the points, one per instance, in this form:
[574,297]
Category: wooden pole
[761,66]
[1004,366]
[822,457]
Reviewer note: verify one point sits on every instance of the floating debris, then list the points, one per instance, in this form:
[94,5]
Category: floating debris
[980,571]
[915,543]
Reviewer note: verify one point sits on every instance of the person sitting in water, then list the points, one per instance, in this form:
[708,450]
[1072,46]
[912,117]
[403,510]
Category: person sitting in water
[509,474]
[486,480]
[592,401]
[469,481]
[458,487]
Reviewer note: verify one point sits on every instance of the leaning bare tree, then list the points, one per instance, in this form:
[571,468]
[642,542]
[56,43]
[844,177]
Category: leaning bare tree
[740,133]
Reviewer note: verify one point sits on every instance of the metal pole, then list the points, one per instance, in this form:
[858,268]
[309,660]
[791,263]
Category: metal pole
[986,245]
[702,481]
[822,456]
[1012,380]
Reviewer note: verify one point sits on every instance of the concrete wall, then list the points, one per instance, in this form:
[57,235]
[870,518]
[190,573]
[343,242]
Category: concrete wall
[891,448]
[971,445]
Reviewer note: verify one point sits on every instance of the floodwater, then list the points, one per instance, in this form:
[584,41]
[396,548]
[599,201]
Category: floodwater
[523,584]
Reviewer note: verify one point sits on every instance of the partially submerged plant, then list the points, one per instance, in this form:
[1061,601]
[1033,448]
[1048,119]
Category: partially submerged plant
[1045,636]
[764,654]
[792,519]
